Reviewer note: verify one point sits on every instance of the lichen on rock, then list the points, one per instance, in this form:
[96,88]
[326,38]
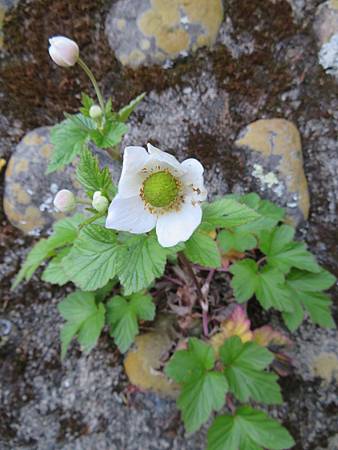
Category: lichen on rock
[276,157]
[146,32]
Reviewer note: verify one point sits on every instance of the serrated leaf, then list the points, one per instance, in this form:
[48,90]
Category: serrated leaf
[123,315]
[267,284]
[244,282]
[202,249]
[203,389]
[68,139]
[143,260]
[84,319]
[64,232]
[248,429]
[92,177]
[226,212]
[236,240]
[110,136]
[304,289]
[283,253]
[87,102]
[243,367]
[93,260]
[269,215]
[125,112]
[54,272]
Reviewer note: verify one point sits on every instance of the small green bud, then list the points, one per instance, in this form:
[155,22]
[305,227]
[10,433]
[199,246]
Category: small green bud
[100,202]
[95,112]
[65,201]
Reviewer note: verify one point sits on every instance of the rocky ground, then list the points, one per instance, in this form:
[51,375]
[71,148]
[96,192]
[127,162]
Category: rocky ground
[264,64]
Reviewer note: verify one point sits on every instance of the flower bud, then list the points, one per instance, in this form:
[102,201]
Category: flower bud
[63,51]
[100,202]
[65,201]
[95,112]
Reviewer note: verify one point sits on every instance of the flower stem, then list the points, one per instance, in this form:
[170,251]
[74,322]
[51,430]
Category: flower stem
[203,299]
[90,75]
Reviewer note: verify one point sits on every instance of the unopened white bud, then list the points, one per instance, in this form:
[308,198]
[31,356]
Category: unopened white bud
[63,51]
[95,112]
[100,202]
[65,201]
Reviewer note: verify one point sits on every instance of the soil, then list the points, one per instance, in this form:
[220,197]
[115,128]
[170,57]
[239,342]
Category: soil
[264,65]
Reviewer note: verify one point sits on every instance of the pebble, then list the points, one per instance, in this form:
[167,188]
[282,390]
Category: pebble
[146,32]
[276,161]
[29,192]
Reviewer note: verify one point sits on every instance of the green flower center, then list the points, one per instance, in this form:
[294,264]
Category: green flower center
[160,189]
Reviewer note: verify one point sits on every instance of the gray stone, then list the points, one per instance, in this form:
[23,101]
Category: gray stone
[326,21]
[29,192]
[328,56]
[145,32]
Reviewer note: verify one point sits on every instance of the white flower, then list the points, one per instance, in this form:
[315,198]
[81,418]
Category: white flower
[65,201]
[155,190]
[100,202]
[63,51]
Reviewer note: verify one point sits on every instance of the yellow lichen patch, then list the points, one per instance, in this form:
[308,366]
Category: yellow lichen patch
[145,44]
[2,163]
[207,13]
[32,219]
[33,139]
[142,363]
[20,166]
[334,4]
[325,366]
[279,137]
[168,11]
[121,24]
[20,194]
[46,150]
[136,57]
[173,41]
[10,168]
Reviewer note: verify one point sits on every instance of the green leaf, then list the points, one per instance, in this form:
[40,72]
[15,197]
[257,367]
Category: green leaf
[283,253]
[87,102]
[248,429]
[64,232]
[269,214]
[236,240]
[93,260]
[142,261]
[243,367]
[244,281]
[267,284]
[125,112]
[203,389]
[84,319]
[69,139]
[54,272]
[123,314]
[202,249]
[304,289]
[110,136]
[92,177]
[226,212]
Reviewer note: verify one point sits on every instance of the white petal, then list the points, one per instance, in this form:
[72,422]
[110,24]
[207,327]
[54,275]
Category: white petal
[193,179]
[134,160]
[163,157]
[129,214]
[176,227]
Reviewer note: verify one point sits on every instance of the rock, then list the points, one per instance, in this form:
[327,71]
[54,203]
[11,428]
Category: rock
[144,361]
[29,192]
[326,21]
[146,32]
[275,156]
[328,56]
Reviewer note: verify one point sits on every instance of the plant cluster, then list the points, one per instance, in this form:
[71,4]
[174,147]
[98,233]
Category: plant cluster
[218,361]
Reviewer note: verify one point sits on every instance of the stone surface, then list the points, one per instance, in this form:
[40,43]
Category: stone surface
[326,21]
[325,366]
[146,32]
[29,192]
[328,56]
[277,163]
[144,361]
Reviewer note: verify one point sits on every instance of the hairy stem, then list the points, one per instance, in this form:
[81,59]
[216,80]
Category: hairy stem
[90,75]
[203,299]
